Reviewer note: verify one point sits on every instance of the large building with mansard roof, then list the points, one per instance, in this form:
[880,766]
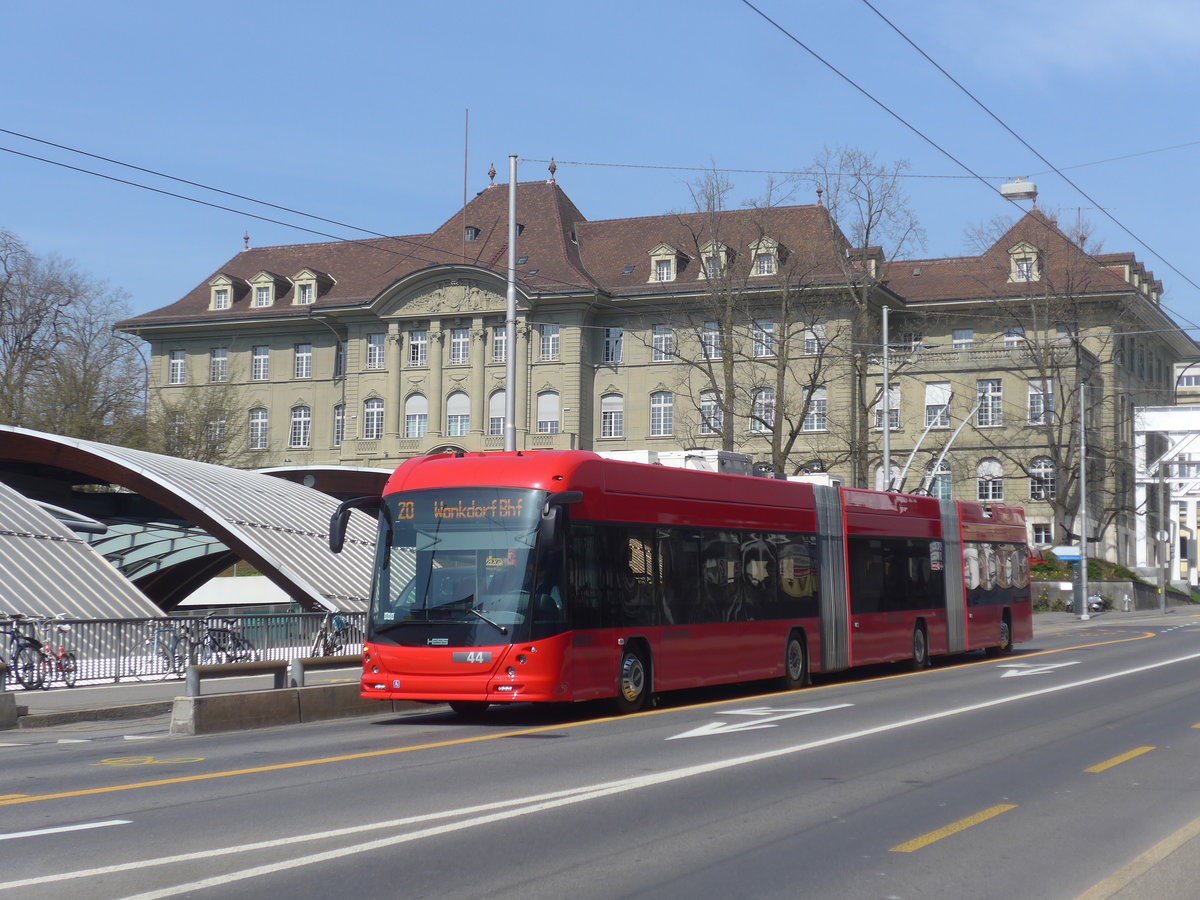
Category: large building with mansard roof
[753,330]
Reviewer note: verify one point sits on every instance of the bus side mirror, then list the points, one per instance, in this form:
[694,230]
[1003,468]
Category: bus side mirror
[338,521]
[552,515]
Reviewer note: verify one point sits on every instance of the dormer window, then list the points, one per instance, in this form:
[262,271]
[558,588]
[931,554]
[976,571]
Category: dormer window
[471,233]
[765,255]
[715,257]
[263,288]
[225,289]
[664,263]
[308,285]
[1024,263]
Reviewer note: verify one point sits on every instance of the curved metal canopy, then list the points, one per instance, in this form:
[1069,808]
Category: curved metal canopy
[278,526]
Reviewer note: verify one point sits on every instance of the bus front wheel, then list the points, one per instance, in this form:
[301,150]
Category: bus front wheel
[795,663]
[633,682]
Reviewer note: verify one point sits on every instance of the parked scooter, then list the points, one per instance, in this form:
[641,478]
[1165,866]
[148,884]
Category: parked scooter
[1095,603]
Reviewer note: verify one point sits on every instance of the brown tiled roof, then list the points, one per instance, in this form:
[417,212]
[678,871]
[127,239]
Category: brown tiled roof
[986,276]
[564,253]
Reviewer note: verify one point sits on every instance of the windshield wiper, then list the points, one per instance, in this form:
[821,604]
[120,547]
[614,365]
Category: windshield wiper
[495,625]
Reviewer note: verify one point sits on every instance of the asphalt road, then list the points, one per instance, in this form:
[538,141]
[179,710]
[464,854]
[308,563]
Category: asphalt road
[1065,770]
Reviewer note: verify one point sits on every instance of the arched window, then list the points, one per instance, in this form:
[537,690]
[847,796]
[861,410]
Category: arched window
[1043,481]
[416,416]
[817,416]
[548,412]
[258,429]
[300,432]
[989,480]
[884,484]
[612,416]
[762,418]
[662,413]
[458,414]
[496,414]
[941,485]
[372,426]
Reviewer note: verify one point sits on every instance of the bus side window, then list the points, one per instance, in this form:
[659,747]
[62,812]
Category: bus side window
[583,576]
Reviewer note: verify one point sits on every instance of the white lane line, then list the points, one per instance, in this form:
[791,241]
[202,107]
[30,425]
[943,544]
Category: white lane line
[65,828]
[511,809]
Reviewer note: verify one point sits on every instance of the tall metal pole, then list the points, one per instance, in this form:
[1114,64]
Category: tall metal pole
[1163,536]
[1083,527]
[510,321]
[885,404]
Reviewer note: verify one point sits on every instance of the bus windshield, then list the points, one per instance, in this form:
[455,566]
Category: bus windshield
[456,567]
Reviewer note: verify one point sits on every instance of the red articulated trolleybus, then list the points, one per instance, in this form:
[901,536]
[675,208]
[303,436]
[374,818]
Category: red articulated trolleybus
[562,576]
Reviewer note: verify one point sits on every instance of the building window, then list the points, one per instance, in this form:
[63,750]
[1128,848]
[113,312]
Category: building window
[375,350]
[814,340]
[991,403]
[941,486]
[460,346]
[220,298]
[416,416]
[216,434]
[710,341]
[1043,483]
[496,414]
[1041,401]
[258,429]
[548,421]
[176,367]
[612,416]
[499,343]
[663,343]
[302,367]
[664,270]
[964,338]
[260,362]
[1042,534]
[712,266]
[613,345]
[549,342]
[218,364]
[1024,268]
[764,264]
[893,402]
[372,427]
[662,417]
[339,360]
[305,293]
[262,295]
[937,405]
[300,432]
[816,418]
[458,415]
[418,348]
[712,419]
[989,481]
[471,233]
[764,339]
[339,424]
[762,411]
[1014,337]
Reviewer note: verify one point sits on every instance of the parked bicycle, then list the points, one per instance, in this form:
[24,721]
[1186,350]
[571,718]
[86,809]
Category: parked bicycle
[24,651]
[221,642]
[57,662]
[332,636]
[168,648]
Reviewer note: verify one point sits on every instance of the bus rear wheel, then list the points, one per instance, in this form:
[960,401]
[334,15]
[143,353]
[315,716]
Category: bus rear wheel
[920,645]
[633,682]
[1005,645]
[795,663]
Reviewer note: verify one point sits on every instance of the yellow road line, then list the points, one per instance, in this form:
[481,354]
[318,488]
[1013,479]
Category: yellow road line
[953,828]
[1117,760]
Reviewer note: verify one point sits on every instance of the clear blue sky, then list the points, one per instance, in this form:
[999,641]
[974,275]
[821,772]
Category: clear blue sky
[355,112]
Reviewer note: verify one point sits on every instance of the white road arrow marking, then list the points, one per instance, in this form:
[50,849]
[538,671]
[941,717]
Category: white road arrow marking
[1017,669]
[768,716]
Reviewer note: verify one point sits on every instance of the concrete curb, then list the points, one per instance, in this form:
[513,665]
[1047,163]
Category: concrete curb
[103,714]
[211,713]
[8,709]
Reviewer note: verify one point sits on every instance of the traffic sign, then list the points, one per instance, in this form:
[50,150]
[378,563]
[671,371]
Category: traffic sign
[1066,553]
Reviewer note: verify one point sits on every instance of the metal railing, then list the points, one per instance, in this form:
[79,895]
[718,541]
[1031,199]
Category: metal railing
[115,650]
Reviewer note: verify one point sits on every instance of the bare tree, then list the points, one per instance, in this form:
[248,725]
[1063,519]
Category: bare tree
[865,200]
[206,423]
